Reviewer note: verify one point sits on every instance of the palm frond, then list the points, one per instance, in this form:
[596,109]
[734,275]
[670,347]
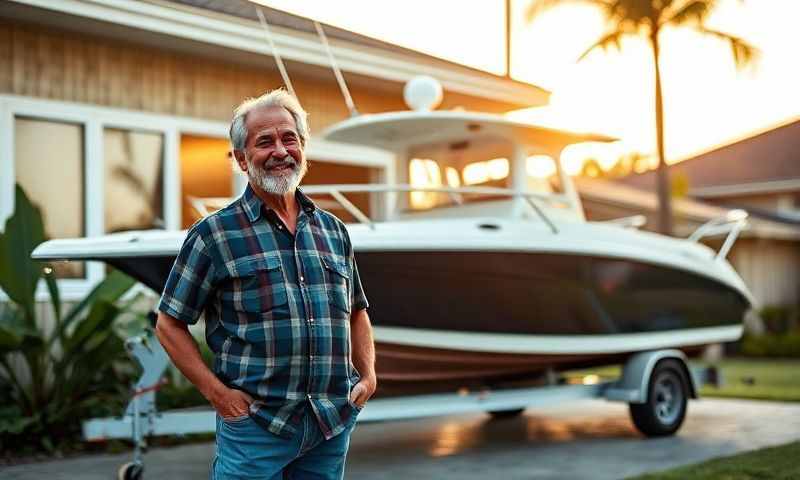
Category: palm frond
[633,11]
[605,42]
[744,54]
[694,11]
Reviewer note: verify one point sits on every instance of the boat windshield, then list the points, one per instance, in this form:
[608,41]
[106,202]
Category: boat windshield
[473,164]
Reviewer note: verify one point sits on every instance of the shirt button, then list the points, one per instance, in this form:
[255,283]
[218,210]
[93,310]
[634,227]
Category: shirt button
[302,279]
[311,358]
[311,320]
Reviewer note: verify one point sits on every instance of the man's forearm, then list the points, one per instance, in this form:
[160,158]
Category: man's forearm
[183,351]
[363,345]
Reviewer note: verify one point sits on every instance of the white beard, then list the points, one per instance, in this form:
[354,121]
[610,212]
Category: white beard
[281,183]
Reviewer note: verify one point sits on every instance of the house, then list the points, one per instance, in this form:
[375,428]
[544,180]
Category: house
[760,174]
[113,114]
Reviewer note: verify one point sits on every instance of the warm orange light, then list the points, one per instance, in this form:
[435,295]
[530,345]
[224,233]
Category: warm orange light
[475,173]
[497,168]
[591,379]
[453,179]
[480,172]
[540,166]
[707,101]
[423,172]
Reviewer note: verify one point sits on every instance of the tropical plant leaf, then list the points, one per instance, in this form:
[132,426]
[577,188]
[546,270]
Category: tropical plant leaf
[23,231]
[610,39]
[13,329]
[99,319]
[52,288]
[695,11]
[54,380]
[12,421]
[743,53]
[9,340]
[109,290]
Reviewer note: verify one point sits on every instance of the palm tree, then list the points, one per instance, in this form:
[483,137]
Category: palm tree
[648,18]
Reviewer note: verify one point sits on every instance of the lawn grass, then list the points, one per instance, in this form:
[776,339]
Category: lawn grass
[776,463]
[758,379]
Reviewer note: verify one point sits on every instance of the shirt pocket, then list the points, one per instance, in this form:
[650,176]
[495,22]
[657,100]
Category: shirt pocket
[337,278]
[257,286]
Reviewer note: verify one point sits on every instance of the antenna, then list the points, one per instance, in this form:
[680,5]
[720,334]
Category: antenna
[348,100]
[275,53]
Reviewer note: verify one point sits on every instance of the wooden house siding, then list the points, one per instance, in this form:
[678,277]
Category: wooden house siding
[58,65]
[771,268]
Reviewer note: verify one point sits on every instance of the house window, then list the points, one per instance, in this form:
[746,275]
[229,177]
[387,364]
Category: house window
[206,173]
[134,170]
[48,165]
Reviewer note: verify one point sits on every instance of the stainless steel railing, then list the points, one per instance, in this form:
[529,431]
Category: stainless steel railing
[533,200]
[731,223]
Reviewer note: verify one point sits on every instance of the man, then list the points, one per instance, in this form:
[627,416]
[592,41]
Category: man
[284,310]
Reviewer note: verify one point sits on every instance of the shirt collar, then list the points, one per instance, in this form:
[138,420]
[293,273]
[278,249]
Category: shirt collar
[254,206]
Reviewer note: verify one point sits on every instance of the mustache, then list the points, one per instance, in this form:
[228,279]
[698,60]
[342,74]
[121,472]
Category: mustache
[273,162]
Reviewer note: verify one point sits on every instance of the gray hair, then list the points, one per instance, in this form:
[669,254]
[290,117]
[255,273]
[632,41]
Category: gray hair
[275,98]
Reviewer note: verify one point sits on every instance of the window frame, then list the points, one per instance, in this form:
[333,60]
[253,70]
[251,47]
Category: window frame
[94,119]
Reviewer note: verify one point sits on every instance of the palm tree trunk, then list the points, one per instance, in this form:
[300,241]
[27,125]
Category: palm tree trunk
[662,175]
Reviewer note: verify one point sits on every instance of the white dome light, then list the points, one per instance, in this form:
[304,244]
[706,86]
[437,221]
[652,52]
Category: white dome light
[423,93]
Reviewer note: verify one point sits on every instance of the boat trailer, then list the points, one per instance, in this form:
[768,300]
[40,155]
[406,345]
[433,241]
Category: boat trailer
[656,385]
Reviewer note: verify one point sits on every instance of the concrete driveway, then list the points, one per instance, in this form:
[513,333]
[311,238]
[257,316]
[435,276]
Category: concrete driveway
[586,439]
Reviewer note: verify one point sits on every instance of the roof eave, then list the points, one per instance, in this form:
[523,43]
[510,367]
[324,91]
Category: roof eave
[226,31]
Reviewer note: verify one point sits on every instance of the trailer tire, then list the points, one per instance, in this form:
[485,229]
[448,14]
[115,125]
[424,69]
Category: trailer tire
[502,414]
[667,397]
[130,471]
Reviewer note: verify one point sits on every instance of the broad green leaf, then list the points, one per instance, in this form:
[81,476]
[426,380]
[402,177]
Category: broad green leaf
[55,296]
[9,340]
[23,231]
[13,328]
[109,290]
[62,384]
[100,316]
[15,423]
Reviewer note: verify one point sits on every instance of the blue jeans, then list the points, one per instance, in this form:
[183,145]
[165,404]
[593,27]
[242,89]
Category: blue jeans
[247,451]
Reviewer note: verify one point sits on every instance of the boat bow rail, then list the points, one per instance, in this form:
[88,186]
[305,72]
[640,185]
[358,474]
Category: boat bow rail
[731,223]
[533,201]
[633,221]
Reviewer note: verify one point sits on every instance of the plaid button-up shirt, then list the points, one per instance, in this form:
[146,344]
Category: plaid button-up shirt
[277,309]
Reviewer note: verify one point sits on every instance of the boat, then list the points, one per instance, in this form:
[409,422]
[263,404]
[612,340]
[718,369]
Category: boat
[479,264]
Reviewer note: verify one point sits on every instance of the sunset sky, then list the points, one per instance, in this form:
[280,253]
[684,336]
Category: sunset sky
[707,101]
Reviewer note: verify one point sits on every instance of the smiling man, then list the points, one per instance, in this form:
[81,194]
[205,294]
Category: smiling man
[285,312]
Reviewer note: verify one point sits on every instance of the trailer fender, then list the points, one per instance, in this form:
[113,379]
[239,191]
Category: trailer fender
[632,386]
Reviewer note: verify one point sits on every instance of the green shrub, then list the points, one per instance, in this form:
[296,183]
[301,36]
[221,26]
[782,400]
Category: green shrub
[52,378]
[780,319]
[785,345]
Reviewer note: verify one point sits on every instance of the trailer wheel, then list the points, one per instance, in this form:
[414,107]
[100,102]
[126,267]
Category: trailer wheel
[667,395]
[501,414]
[130,471]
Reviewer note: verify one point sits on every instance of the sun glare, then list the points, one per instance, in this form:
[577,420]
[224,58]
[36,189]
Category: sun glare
[707,101]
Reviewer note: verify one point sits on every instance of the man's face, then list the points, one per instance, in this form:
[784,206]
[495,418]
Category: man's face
[273,156]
